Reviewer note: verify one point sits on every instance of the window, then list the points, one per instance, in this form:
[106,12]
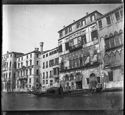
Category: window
[27,56]
[30,71]
[37,72]
[30,62]
[67,45]
[70,28]
[112,42]
[66,30]
[29,80]
[26,72]
[37,62]
[51,82]
[117,15]
[43,81]
[60,48]
[107,43]
[121,13]
[117,40]
[60,34]
[43,56]
[94,35]
[18,65]
[43,65]
[9,75]
[22,58]
[79,24]
[98,79]
[108,20]
[87,80]
[100,23]
[47,64]
[47,55]
[46,81]
[110,76]
[92,18]
[43,75]
[21,64]
[50,73]
[83,22]
[46,74]
[14,64]
[30,55]
[51,63]
[26,63]
[56,61]
[54,71]
[83,37]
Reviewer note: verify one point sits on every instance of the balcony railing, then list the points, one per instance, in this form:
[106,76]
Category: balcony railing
[115,47]
[75,47]
[88,65]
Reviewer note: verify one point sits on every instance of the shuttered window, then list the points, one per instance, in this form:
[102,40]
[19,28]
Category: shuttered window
[94,35]
[60,48]
[110,76]
[67,45]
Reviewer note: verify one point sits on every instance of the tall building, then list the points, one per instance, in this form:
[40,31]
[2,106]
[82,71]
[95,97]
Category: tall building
[49,69]
[110,28]
[28,70]
[9,71]
[79,52]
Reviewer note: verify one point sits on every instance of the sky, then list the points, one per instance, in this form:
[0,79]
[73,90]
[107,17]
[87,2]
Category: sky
[25,26]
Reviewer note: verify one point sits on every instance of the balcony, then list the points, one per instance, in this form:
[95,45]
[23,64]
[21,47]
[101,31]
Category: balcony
[113,48]
[23,77]
[75,47]
[86,66]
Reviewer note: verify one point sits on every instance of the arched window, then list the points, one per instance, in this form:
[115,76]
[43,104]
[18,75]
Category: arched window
[111,35]
[122,57]
[71,77]
[112,43]
[117,40]
[106,59]
[106,36]
[118,58]
[112,58]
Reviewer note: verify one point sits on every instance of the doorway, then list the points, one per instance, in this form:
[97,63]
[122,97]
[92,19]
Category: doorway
[79,84]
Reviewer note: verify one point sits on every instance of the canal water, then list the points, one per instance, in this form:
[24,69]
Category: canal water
[99,101]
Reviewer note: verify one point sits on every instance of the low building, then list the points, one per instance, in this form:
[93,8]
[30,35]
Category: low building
[27,71]
[9,71]
[49,69]
[110,28]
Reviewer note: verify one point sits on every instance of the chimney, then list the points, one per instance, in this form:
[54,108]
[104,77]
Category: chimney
[41,47]
[63,26]
[87,13]
[36,49]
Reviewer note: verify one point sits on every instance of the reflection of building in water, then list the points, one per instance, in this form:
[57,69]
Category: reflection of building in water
[9,71]
[79,52]
[49,69]
[111,29]
[27,73]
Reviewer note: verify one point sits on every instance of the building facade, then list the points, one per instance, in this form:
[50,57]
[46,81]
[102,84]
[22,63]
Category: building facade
[28,70]
[49,69]
[9,71]
[79,52]
[110,28]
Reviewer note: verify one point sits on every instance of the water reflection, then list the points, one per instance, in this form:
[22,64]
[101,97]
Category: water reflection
[87,102]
